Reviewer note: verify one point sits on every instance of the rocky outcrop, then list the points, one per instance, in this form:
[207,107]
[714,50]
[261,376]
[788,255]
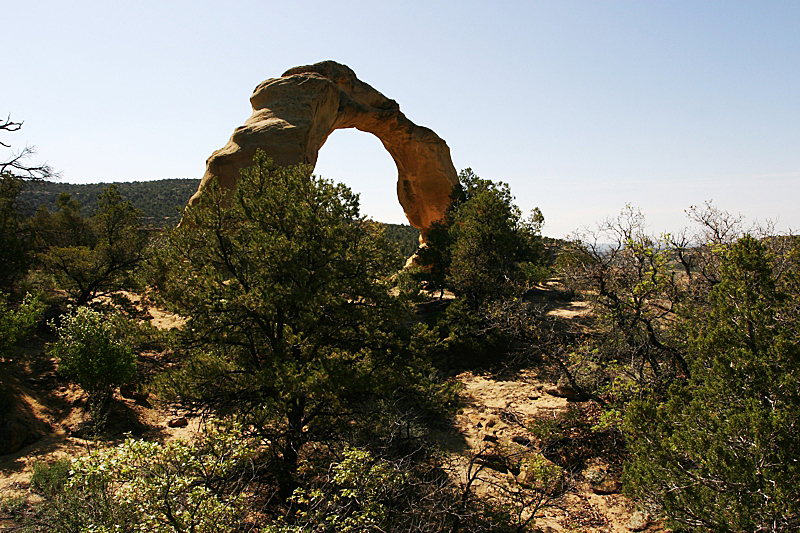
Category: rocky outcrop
[293,116]
[19,425]
[601,478]
[14,434]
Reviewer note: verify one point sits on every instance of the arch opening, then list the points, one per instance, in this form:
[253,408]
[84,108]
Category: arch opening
[360,161]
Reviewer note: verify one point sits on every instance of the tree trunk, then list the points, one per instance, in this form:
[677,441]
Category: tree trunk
[294,440]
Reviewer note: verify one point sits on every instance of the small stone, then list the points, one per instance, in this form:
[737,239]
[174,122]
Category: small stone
[140,396]
[600,478]
[519,439]
[609,485]
[594,475]
[564,390]
[178,422]
[638,521]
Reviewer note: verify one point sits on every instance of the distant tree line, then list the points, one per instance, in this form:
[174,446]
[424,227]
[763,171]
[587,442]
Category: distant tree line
[160,201]
[406,237]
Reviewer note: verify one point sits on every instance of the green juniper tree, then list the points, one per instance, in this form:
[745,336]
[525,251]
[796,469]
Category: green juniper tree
[483,248]
[486,253]
[720,454]
[291,324]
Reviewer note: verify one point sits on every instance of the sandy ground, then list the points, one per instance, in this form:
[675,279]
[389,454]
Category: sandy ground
[497,410]
[61,415]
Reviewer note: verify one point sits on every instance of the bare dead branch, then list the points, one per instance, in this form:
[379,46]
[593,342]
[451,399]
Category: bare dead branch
[16,165]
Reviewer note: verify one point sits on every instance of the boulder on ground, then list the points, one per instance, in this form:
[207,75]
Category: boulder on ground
[13,435]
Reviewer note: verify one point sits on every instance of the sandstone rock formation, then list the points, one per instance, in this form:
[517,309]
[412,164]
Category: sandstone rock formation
[293,116]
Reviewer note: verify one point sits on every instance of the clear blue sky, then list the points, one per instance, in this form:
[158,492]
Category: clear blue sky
[581,106]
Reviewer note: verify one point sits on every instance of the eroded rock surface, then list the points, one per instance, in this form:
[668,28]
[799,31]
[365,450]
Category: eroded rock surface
[293,116]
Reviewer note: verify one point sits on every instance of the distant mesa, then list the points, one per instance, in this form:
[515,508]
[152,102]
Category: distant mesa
[293,116]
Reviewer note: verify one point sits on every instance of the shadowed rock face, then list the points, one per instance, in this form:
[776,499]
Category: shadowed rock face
[293,116]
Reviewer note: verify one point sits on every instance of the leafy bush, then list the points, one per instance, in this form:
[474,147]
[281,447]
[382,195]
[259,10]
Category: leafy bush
[90,354]
[15,323]
[631,277]
[367,493]
[146,487]
[358,497]
[48,479]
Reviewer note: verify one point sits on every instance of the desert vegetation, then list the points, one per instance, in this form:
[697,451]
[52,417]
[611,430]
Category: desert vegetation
[325,378]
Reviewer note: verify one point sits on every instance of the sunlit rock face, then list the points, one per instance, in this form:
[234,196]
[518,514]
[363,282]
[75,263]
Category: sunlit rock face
[293,116]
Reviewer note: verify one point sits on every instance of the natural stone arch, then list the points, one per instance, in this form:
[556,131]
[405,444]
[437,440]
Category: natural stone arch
[293,116]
